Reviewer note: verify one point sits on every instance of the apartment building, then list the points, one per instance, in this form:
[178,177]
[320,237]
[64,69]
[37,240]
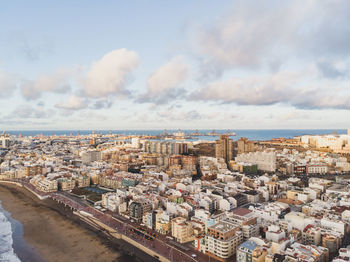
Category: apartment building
[224,148]
[244,145]
[82,181]
[332,242]
[162,223]
[222,240]
[310,253]
[311,235]
[265,160]
[138,208]
[113,201]
[91,156]
[316,169]
[113,182]
[44,184]
[33,170]
[65,184]
[182,230]
[247,221]
[249,251]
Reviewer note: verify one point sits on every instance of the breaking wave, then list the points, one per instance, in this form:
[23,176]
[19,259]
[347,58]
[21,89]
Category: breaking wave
[7,253]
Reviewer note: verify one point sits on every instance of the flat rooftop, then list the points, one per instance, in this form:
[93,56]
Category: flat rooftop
[223,226]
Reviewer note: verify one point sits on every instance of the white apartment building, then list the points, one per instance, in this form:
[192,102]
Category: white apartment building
[44,184]
[299,220]
[266,161]
[47,185]
[135,142]
[334,142]
[275,234]
[112,201]
[333,224]
[344,253]
[90,156]
[4,141]
[270,211]
[319,183]
[182,230]
[310,253]
[317,169]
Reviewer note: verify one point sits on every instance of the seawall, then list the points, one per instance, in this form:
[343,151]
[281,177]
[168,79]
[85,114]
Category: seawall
[121,242]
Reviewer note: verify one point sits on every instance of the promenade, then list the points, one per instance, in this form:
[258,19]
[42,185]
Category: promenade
[128,229]
[114,224]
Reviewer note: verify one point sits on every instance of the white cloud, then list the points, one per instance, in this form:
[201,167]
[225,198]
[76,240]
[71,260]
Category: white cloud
[251,90]
[58,82]
[193,116]
[102,103]
[93,116]
[285,87]
[171,115]
[164,84]
[7,85]
[294,115]
[73,103]
[108,76]
[168,76]
[271,33]
[28,111]
[324,98]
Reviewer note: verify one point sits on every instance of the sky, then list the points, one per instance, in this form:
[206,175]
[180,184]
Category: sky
[165,64]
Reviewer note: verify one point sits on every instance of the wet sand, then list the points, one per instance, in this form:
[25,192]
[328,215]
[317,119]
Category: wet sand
[54,237]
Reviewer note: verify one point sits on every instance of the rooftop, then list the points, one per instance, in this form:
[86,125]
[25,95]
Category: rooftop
[223,226]
[250,245]
[241,211]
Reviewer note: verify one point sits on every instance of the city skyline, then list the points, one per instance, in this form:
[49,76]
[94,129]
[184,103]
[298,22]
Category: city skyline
[188,65]
[170,197]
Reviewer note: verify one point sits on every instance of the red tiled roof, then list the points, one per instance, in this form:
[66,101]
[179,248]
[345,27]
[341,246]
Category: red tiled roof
[240,211]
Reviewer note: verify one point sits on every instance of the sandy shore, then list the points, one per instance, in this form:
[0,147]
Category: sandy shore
[55,237]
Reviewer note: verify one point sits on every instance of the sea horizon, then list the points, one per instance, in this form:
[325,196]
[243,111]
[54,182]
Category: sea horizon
[168,129]
[252,134]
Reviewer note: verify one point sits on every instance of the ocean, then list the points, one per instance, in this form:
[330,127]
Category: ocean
[12,244]
[251,134]
[6,239]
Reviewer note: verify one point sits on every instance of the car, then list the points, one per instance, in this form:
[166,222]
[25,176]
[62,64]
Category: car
[194,255]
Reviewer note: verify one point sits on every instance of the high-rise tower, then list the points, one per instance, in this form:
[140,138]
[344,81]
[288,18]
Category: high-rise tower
[224,148]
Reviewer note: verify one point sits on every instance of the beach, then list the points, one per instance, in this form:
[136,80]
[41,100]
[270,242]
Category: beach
[54,233]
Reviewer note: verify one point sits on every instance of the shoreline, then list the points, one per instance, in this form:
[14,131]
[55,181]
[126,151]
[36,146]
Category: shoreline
[58,235]
[21,248]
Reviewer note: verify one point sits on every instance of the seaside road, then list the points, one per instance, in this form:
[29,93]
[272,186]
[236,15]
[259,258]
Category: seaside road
[159,244]
[127,228]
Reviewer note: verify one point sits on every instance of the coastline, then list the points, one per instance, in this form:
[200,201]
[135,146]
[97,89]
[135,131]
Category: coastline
[55,234]
[21,248]
[251,134]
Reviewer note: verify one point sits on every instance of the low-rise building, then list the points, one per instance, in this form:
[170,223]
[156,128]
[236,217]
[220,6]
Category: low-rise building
[163,225]
[311,235]
[138,208]
[182,230]
[249,251]
[65,184]
[82,181]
